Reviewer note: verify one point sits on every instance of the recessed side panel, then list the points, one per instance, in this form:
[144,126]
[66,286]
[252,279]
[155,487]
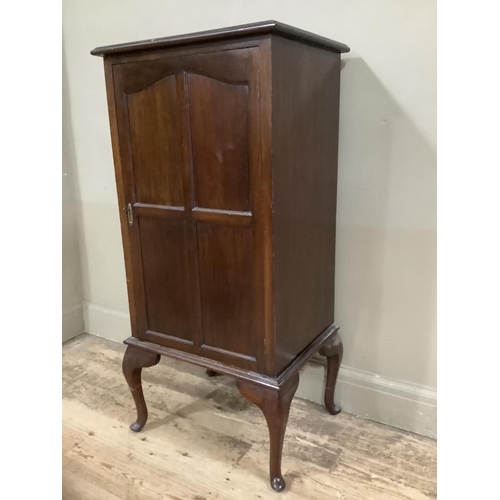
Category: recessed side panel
[226,265]
[156,143]
[305,137]
[164,246]
[218,114]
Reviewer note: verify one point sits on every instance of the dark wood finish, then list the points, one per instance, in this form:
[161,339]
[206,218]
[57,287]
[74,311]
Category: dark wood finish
[304,192]
[263,208]
[225,217]
[227,283]
[233,32]
[241,372]
[212,167]
[333,350]
[169,301]
[225,147]
[156,142]
[159,211]
[218,114]
[133,362]
[275,405]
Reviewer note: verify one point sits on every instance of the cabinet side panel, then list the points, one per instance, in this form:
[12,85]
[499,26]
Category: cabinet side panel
[305,146]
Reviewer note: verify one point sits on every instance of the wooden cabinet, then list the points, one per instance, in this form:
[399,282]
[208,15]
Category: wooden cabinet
[225,149]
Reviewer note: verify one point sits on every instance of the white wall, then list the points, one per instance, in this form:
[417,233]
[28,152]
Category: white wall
[72,292]
[386,254]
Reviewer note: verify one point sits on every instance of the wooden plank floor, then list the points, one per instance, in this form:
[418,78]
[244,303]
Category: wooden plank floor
[203,441]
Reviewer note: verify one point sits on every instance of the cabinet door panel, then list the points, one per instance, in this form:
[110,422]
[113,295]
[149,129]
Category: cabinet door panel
[156,142]
[189,156]
[218,114]
[227,288]
[164,246]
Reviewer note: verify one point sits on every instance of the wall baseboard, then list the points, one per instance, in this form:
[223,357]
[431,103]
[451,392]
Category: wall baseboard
[72,321]
[404,405]
[110,324]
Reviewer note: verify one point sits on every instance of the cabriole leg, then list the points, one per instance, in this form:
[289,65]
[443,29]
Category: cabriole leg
[333,351]
[275,405]
[133,362]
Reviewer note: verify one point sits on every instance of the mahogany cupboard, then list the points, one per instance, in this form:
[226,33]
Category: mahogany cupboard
[225,149]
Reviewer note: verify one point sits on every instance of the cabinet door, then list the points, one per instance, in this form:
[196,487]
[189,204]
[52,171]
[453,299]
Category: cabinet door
[188,130]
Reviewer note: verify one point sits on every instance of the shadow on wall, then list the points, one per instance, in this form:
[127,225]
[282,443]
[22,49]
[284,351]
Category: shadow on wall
[386,238]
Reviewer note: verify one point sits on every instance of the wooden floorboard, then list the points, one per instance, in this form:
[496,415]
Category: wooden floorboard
[203,441]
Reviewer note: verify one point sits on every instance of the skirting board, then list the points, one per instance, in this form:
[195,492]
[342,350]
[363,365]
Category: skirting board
[368,395]
[400,404]
[72,321]
[108,323]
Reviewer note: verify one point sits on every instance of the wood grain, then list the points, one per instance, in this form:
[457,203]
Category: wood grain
[156,142]
[220,143]
[204,441]
[305,150]
[229,33]
[275,405]
[169,297]
[188,150]
[227,288]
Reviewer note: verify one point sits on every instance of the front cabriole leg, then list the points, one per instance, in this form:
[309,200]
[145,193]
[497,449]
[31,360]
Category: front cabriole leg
[333,351]
[134,361]
[275,404]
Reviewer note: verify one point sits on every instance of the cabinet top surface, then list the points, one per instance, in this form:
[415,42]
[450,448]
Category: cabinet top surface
[230,33]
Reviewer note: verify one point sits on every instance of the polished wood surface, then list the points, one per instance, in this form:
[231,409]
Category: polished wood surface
[304,192]
[333,350]
[194,272]
[227,288]
[263,209]
[272,396]
[275,405]
[165,257]
[156,142]
[241,373]
[133,362]
[218,114]
[226,158]
[233,32]
[204,441]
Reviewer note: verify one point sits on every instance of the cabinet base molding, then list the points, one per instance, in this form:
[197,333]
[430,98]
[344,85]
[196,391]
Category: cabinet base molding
[328,335]
[272,395]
